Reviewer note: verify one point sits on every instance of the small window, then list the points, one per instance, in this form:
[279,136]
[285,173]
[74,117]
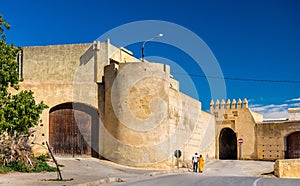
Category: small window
[235,113]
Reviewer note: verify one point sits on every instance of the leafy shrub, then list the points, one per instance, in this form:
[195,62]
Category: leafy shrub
[18,166]
[40,165]
[4,170]
[43,157]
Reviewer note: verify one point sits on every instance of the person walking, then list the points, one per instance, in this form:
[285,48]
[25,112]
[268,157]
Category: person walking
[195,162]
[201,163]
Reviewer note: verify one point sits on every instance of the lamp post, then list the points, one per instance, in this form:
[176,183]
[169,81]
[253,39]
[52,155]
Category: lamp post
[155,37]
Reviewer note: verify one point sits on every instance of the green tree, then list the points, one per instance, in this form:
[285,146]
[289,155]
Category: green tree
[18,112]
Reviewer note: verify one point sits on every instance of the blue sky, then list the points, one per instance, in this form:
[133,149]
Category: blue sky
[250,39]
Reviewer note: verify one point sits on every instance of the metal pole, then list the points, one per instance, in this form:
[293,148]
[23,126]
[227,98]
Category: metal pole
[240,151]
[157,36]
[143,52]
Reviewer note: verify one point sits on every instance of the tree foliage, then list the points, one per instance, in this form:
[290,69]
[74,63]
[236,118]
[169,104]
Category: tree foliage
[18,112]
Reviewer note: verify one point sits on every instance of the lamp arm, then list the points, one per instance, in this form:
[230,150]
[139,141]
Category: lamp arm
[143,46]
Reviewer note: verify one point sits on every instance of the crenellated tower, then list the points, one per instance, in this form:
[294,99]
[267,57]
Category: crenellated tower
[234,120]
[227,109]
[228,104]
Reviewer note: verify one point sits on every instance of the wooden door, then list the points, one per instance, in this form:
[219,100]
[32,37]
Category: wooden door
[293,145]
[70,130]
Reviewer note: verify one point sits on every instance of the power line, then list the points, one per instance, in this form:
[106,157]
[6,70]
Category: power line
[239,79]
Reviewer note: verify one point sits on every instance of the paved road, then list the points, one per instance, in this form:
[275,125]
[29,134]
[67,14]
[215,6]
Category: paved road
[198,179]
[91,171]
[222,173]
[238,168]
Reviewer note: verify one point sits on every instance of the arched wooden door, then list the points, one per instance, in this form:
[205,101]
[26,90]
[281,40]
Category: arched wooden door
[73,130]
[227,144]
[293,145]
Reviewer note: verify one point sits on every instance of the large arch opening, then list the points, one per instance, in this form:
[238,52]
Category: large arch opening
[227,144]
[74,130]
[293,145]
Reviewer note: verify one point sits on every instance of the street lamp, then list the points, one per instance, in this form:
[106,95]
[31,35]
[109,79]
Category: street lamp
[157,36]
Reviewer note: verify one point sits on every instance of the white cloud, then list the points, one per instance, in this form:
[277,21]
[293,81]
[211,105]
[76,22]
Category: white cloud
[294,105]
[276,115]
[271,111]
[274,111]
[255,105]
[293,100]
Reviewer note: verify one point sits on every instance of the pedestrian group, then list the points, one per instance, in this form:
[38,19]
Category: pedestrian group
[198,163]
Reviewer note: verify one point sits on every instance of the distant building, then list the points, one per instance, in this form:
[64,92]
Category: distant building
[264,140]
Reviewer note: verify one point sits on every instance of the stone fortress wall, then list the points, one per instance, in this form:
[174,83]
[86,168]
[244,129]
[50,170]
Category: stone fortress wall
[66,73]
[143,117]
[154,119]
[149,120]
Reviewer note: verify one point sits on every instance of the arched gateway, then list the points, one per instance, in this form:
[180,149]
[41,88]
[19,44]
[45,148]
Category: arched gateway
[73,129]
[227,144]
[293,145]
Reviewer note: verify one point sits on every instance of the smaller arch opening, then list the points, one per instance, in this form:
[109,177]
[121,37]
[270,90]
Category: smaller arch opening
[227,144]
[292,142]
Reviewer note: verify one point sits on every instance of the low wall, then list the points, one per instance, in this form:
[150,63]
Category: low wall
[288,168]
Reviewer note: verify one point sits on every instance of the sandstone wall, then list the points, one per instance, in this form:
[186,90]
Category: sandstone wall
[238,117]
[143,116]
[59,74]
[202,140]
[146,120]
[56,62]
[289,168]
[271,138]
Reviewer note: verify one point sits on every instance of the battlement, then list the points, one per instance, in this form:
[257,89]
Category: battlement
[228,104]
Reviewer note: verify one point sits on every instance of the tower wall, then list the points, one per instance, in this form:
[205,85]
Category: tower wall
[237,116]
[146,119]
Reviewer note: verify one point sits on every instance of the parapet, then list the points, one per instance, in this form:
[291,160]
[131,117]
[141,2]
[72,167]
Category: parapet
[229,104]
[294,114]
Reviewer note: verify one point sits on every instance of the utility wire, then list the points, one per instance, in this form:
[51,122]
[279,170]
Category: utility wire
[239,79]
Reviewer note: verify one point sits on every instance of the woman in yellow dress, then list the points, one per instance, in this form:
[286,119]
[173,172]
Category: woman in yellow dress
[200,163]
